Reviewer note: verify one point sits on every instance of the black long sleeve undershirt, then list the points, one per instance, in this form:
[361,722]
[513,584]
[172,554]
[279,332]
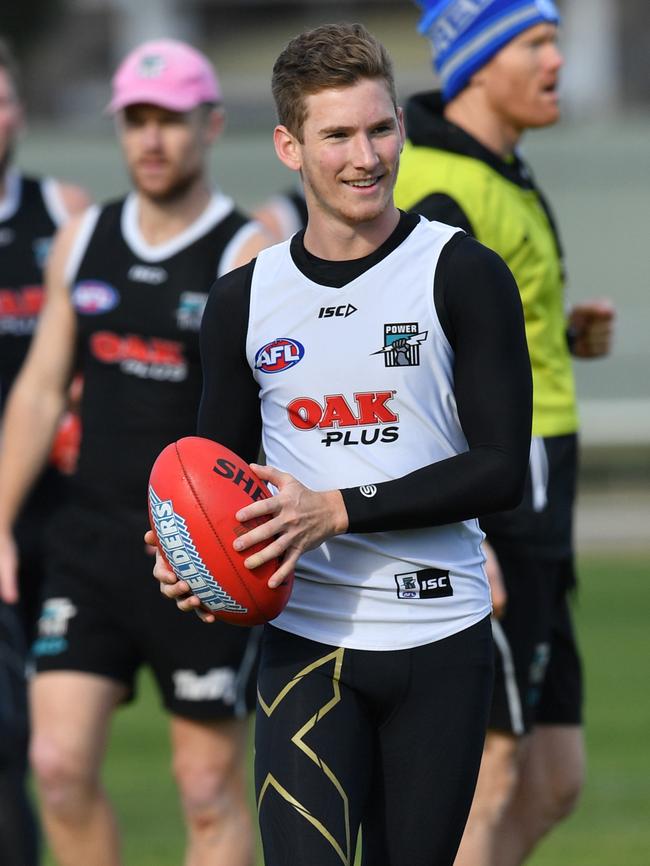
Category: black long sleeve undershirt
[479,308]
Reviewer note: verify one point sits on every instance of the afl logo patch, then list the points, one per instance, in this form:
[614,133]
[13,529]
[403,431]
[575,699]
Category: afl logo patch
[91,298]
[279,355]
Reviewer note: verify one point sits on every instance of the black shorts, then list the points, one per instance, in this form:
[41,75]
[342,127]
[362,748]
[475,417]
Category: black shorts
[538,676]
[390,740]
[103,613]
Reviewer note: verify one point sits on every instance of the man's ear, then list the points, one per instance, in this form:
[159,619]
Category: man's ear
[216,121]
[400,126]
[287,148]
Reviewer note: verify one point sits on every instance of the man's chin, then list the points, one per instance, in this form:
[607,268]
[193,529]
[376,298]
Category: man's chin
[164,193]
[363,214]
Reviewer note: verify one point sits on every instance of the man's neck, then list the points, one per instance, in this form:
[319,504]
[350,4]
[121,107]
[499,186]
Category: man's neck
[470,114]
[160,221]
[327,237]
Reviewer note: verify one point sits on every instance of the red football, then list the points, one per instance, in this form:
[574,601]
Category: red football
[196,486]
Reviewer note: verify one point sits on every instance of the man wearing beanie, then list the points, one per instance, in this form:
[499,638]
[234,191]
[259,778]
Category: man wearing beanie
[498,64]
[125,292]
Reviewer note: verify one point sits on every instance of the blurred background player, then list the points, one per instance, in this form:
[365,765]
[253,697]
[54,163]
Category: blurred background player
[31,208]
[499,66]
[126,287]
[283,214]
[385,642]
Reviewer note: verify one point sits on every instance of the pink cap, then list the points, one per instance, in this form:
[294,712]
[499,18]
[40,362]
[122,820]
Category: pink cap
[167,73]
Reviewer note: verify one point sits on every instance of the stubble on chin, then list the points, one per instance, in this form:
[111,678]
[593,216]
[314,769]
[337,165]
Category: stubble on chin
[175,191]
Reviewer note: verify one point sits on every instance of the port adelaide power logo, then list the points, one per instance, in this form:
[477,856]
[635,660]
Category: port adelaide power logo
[402,342]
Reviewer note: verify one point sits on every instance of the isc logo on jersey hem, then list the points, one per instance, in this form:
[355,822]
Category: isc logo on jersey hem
[279,355]
[93,297]
[425,583]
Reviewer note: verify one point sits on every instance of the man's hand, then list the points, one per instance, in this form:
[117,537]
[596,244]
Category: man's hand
[591,324]
[300,520]
[8,569]
[495,579]
[173,588]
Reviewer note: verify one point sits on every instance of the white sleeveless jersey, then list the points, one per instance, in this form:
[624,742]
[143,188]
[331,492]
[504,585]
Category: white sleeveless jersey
[356,387]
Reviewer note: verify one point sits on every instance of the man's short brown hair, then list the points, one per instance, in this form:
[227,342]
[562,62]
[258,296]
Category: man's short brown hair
[331,56]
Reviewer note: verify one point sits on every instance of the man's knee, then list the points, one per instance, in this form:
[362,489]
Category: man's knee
[65,783]
[212,789]
[497,778]
[563,791]
[554,772]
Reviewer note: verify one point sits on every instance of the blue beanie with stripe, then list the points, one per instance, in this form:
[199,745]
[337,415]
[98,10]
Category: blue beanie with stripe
[466,34]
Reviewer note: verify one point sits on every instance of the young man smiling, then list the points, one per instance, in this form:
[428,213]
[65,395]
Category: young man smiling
[126,288]
[499,65]
[375,680]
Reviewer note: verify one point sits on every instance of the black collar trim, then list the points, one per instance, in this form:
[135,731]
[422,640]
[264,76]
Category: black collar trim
[338,274]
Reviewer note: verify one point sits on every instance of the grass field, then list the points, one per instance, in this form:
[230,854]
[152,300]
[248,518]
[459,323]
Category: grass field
[611,826]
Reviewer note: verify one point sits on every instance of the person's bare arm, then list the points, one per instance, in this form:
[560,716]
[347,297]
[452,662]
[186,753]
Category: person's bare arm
[495,579]
[250,247]
[35,403]
[75,199]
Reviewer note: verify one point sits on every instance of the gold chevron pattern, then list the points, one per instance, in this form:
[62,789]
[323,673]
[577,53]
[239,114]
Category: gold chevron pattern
[297,739]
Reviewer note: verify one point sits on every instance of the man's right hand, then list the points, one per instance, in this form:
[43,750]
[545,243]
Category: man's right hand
[8,569]
[173,588]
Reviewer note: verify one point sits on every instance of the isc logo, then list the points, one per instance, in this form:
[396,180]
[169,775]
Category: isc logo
[436,582]
[342,311]
[279,355]
[425,583]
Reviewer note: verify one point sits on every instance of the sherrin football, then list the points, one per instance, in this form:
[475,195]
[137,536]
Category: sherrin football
[196,486]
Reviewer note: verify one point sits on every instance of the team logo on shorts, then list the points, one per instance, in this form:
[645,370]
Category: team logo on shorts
[92,297]
[402,342]
[177,545]
[53,627]
[425,583]
[218,684]
[279,355]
